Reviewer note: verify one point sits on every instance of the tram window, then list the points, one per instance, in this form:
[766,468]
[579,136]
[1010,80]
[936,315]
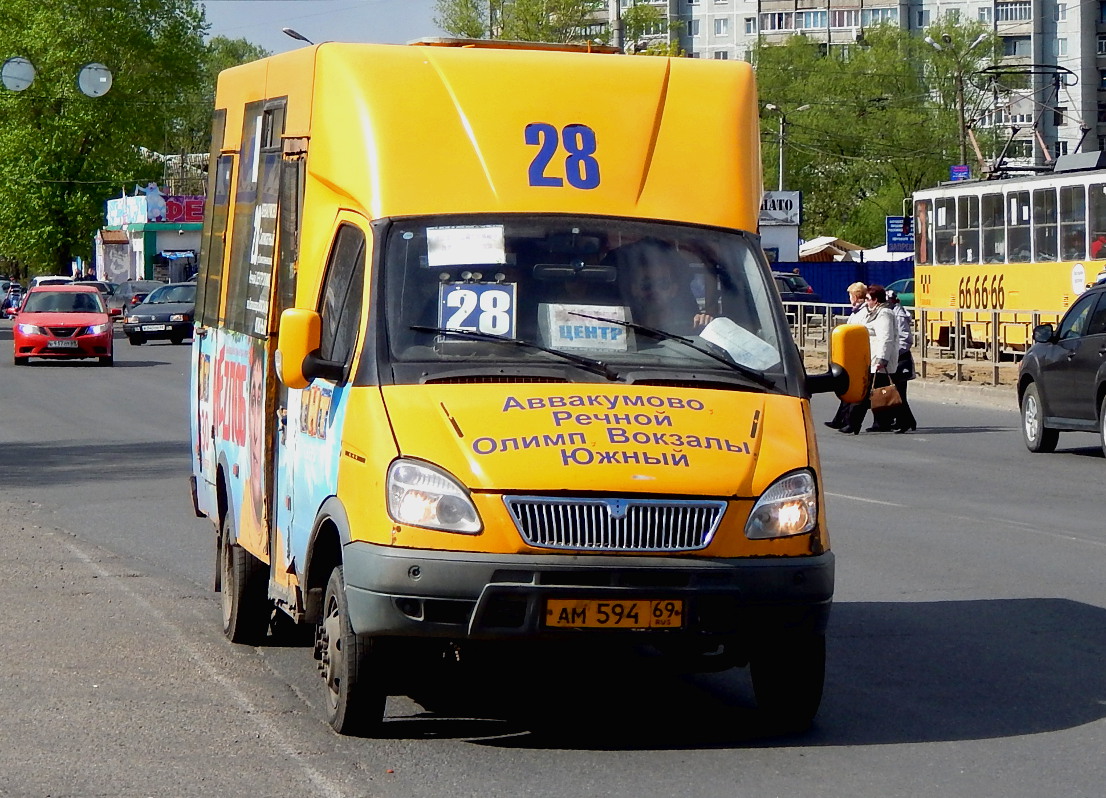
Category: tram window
[945,229]
[1045,227]
[994,228]
[1073,223]
[1096,201]
[967,229]
[1018,249]
[923,231]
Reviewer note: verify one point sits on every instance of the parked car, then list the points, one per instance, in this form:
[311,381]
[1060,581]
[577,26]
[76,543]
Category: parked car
[794,288]
[904,290]
[130,292]
[49,279]
[166,313]
[63,321]
[1062,378]
[106,287]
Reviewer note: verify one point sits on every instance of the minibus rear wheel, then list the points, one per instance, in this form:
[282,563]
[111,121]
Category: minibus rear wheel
[788,674]
[244,591]
[355,700]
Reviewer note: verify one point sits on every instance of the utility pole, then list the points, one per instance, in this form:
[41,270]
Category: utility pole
[958,59]
[783,136]
[615,15]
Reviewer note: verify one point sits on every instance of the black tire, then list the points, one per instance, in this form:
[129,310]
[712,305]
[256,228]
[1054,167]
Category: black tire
[177,340]
[354,692]
[107,360]
[1037,437]
[20,361]
[243,582]
[136,340]
[788,675]
[1102,424]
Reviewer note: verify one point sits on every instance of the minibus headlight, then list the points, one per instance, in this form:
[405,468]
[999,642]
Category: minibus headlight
[420,495]
[788,507]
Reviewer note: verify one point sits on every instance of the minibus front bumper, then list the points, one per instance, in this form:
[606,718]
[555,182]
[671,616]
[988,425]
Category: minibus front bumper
[464,595]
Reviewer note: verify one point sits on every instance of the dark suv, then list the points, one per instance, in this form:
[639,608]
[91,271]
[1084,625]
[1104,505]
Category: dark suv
[1062,378]
[794,288]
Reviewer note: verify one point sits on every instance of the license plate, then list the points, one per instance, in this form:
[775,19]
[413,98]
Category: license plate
[61,344]
[153,328]
[633,614]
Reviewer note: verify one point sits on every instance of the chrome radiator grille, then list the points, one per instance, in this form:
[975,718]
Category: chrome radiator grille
[646,525]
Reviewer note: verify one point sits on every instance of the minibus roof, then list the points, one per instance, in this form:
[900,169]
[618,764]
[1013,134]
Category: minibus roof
[446,126]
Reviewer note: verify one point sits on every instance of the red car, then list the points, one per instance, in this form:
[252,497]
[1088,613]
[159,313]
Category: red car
[63,321]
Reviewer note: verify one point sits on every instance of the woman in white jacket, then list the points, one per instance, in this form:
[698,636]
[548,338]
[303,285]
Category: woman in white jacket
[883,340]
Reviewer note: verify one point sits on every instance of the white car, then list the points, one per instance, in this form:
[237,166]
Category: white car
[50,279]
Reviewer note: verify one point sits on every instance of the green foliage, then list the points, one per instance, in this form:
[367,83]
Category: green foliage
[881,122]
[517,20]
[190,131]
[468,19]
[62,154]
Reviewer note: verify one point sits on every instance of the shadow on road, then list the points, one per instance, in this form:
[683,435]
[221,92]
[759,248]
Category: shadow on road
[923,430]
[60,465]
[902,672]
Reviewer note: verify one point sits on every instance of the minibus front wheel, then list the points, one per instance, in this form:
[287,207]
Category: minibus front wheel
[788,674]
[355,699]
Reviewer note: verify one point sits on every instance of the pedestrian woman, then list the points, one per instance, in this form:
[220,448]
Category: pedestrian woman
[883,341]
[857,292]
[904,371]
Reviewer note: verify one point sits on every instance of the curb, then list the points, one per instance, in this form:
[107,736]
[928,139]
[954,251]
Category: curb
[998,397]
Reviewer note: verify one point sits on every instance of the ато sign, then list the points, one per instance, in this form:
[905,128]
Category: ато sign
[781,207]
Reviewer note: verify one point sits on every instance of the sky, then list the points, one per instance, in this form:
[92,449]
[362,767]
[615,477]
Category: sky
[379,21]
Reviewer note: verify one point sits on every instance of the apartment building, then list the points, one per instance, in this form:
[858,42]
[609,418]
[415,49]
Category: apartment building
[1060,38]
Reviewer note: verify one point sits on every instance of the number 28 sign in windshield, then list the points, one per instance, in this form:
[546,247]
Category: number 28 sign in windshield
[478,307]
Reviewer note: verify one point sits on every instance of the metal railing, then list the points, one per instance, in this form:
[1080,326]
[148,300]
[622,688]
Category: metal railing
[961,344]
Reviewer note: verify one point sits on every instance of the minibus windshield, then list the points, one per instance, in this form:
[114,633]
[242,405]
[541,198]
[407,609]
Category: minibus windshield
[626,295]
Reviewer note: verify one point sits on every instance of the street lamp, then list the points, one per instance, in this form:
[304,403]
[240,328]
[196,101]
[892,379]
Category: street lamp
[958,60]
[295,34]
[782,134]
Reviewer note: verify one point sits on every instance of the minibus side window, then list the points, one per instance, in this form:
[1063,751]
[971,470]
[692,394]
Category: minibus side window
[216,213]
[343,291]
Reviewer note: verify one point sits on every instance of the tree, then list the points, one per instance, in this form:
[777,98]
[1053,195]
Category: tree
[189,134]
[518,20]
[877,125]
[63,154]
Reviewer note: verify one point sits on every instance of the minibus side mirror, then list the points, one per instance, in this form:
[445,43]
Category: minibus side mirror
[1042,333]
[849,375]
[299,335]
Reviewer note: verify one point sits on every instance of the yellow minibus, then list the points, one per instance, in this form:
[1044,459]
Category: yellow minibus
[487,350]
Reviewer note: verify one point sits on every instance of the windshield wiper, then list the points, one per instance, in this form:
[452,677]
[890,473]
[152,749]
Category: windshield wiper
[754,375]
[597,366]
